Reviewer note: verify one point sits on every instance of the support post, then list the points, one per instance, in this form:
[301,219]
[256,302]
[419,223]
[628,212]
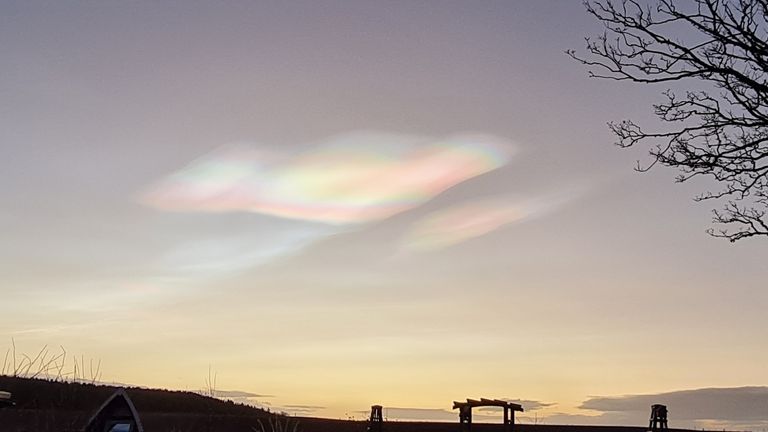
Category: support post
[658,422]
[376,421]
[465,418]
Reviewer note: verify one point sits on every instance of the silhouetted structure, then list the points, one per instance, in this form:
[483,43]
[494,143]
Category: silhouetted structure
[5,399]
[376,422]
[116,414]
[465,412]
[658,418]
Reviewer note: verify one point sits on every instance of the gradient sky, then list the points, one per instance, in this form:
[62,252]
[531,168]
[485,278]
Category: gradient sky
[341,203]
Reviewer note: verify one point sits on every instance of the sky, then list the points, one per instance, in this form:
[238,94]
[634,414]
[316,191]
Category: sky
[337,204]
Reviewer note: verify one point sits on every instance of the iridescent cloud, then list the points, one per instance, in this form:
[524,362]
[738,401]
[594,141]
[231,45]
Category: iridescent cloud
[463,221]
[459,223]
[228,253]
[351,178]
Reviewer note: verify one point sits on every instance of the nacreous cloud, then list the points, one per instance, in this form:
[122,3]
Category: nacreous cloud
[464,221]
[351,178]
[458,223]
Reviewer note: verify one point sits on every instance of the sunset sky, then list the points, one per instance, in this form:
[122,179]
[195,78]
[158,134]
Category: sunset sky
[340,203]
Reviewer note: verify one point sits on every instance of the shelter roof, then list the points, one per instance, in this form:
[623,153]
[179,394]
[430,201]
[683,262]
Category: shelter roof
[483,402]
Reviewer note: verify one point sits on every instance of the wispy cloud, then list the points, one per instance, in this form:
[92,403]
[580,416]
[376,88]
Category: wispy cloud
[239,394]
[417,414]
[459,223]
[528,405]
[351,178]
[307,407]
[243,397]
[298,409]
[739,403]
[464,221]
[231,252]
[258,400]
[736,408]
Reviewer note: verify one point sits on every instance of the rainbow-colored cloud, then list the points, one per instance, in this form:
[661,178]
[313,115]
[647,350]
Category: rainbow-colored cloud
[352,178]
[461,222]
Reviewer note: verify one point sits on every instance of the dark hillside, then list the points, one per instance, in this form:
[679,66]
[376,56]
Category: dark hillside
[43,406]
[44,394]
[50,406]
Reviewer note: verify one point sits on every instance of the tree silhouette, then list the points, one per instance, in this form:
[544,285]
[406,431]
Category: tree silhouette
[717,126]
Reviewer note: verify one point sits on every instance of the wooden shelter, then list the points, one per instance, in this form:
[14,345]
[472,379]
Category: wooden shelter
[116,414]
[465,412]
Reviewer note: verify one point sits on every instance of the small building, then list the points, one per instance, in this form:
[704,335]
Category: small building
[116,414]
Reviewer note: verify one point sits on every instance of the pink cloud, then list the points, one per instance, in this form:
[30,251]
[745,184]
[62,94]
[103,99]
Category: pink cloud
[352,178]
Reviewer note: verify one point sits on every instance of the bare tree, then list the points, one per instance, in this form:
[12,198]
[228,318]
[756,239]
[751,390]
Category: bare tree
[716,51]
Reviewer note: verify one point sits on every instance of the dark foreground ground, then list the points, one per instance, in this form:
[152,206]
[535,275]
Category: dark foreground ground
[48,406]
[322,425]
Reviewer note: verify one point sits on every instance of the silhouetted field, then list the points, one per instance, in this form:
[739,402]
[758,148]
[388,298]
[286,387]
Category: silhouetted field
[50,406]
[324,425]
[43,406]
